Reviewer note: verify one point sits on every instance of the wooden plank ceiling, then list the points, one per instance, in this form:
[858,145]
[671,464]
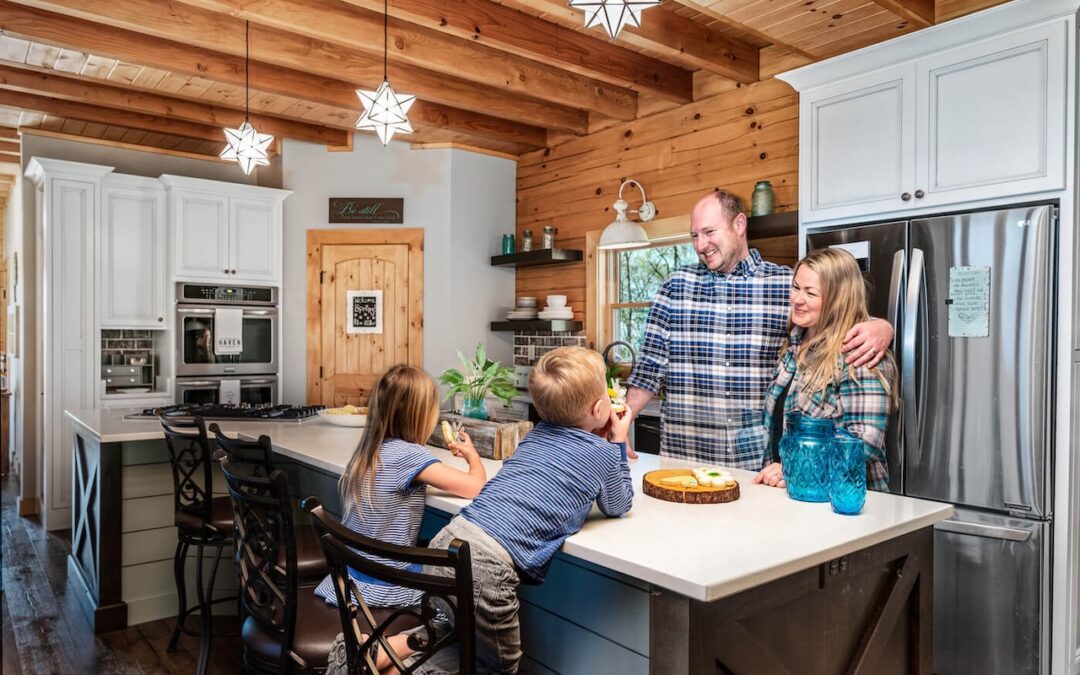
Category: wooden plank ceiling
[500,76]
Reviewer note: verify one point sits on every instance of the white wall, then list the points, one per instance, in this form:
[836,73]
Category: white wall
[464,202]
[13,242]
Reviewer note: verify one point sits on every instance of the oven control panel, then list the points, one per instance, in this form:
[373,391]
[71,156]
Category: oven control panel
[246,295]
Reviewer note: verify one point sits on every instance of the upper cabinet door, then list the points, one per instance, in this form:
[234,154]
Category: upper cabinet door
[255,239]
[992,118]
[133,267]
[859,155]
[201,234]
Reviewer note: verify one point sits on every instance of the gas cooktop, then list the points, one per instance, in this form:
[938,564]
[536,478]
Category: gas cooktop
[257,413]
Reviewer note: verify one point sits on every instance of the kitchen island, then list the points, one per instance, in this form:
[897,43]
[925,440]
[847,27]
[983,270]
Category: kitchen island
[761,585]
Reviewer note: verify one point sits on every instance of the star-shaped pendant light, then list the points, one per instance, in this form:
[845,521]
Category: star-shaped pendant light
[385,111]
[244,145]
[613,14]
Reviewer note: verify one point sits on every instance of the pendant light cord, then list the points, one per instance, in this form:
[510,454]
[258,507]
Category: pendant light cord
[385,23]
[247,68]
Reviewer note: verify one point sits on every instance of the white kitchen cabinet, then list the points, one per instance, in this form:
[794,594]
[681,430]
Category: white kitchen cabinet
[972,120]
[225,232]
[861,154]
[133,270]
[67,215]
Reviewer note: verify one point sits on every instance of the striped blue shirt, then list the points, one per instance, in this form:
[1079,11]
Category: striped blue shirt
[712,341]
[543,493]
[390,511]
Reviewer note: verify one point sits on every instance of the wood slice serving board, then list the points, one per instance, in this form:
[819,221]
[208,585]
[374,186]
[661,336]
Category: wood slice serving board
[651,485]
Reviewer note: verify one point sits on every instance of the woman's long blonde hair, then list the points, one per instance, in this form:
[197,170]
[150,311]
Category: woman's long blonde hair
[404,404]
[843,304]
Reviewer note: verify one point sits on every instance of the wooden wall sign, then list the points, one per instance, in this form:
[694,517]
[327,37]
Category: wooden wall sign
[383,210]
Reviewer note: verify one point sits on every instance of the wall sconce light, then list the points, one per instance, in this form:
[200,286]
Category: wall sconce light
[624,233]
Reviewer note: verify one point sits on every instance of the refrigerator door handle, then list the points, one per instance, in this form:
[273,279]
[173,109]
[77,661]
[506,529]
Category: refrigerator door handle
[908,338]
[979,530]
[895,289]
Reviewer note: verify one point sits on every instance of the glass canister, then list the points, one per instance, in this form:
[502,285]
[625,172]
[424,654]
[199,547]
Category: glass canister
[526,240]
[791,430]
[507,244]
[547,239]
[847,473]
[806,470]
[762,201]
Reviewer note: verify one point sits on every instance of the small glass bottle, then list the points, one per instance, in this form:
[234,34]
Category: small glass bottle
[763,201]
[547,240]
[526,240]
[507,244]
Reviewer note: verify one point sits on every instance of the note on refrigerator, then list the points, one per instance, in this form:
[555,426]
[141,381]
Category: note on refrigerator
[969,301]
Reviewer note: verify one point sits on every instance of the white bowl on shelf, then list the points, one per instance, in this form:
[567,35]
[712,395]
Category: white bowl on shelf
[526,302]
[344,419]
[556,301]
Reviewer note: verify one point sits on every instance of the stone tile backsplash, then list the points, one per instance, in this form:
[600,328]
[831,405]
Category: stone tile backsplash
[529,347]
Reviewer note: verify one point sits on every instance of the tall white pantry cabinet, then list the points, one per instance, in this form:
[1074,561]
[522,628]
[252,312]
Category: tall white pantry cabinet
[971,114]
[106,262]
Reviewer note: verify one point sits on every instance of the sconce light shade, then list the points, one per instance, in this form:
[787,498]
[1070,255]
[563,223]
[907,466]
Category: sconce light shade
[624,234]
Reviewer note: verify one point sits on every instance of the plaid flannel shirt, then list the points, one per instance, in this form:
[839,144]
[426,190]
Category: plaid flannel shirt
[712,341]
[858,402]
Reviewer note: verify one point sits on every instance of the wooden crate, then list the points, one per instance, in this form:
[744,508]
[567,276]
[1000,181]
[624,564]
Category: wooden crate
[494,439]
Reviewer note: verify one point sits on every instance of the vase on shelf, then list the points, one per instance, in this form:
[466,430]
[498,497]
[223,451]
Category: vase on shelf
[762,201]
[474,408]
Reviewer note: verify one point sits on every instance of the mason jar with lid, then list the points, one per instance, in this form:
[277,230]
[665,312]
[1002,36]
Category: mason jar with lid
[526,240]
[547,240]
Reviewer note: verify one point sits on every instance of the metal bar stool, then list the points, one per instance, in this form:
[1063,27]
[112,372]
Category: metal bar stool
[202,521]
[445,615]
[256,458]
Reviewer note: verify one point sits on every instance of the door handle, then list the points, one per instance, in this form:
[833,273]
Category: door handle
[980,530]
[911,314]
[896,282]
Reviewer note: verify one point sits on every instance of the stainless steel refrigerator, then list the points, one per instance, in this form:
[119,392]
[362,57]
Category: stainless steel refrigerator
[972,299]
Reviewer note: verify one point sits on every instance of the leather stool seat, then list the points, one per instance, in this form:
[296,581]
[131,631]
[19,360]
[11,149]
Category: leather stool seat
[221,519]
[317,623]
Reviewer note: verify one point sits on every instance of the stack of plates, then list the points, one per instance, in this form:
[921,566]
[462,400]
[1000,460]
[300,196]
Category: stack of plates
[521,314]
[550,313]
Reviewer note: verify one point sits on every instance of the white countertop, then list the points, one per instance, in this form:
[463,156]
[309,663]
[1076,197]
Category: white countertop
[705,552]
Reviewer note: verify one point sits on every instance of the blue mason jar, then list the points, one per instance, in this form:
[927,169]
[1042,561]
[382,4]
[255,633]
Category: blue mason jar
[847,474]
[806,469]
[791,429]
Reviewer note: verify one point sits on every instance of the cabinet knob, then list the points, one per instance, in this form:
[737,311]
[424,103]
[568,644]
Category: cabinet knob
[161,318]
[919,194]
[906,196]
[233,271]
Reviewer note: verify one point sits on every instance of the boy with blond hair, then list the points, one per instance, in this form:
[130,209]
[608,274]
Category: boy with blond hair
[542,495]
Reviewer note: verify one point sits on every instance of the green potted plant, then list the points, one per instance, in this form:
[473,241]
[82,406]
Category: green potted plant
[476,380]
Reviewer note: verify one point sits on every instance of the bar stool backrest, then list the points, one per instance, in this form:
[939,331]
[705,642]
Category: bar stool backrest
[264,538]
[451,596]
[192,470]
[255,456]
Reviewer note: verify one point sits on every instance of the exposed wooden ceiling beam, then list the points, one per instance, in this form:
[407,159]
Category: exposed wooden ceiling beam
[134,47]
[32,80]
[662,31]
[483,22]
[919,12]
[124,118]
[8,146]
[699,6]
[211,31]
[362,30]
[9,159]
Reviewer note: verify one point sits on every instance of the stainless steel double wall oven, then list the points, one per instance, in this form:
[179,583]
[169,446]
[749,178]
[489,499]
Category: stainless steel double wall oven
[202,373]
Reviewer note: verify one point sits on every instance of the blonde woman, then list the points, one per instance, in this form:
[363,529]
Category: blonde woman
[828,297]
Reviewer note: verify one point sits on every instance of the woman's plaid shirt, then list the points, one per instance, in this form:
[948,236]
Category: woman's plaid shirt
[859,402]
[712,341]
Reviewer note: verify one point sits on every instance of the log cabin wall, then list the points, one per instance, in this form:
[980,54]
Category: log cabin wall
[730,137]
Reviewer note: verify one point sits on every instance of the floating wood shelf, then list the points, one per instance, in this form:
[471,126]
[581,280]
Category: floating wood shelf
[543,256]
[773,225]
[556,326]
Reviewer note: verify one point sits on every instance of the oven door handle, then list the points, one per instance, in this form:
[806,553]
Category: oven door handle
[244,383]
[185,311]
[196,383]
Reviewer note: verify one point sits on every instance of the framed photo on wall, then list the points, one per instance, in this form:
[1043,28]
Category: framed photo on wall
[365,312]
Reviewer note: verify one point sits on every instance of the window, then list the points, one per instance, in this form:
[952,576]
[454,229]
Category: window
[636,277]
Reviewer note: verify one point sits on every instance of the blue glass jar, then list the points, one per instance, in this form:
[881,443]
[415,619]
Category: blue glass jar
[847,474]
[474,408]
[791,429]
[806,469]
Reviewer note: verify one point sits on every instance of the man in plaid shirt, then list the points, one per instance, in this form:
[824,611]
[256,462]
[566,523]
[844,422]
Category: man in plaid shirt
[713,337]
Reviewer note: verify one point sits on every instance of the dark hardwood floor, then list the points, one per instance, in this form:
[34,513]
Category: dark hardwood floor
[44,631]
